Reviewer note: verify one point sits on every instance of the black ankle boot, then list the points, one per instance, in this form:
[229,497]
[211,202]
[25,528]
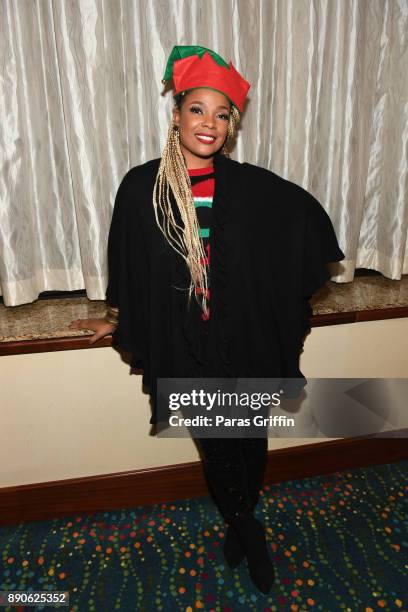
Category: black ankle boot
[234,554]
[251,535]
[255,453]
[232,549]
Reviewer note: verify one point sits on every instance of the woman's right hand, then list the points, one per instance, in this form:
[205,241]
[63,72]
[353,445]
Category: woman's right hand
[101,327]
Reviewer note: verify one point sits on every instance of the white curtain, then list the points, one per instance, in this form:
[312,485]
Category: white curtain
[81,103]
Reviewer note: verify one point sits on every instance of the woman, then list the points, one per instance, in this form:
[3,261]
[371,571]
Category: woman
[211,266]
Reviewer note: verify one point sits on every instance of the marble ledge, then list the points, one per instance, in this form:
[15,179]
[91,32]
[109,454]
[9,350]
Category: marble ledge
[49,319]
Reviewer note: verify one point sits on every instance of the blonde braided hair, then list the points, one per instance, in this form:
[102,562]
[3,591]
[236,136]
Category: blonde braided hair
[186,239]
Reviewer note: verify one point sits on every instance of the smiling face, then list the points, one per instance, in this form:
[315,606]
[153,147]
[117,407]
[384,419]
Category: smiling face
[203,125]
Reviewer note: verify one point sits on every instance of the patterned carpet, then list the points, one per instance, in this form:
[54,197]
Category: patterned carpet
[339,542]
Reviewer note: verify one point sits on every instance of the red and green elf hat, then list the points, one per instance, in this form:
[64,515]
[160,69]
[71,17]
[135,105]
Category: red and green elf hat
[192,66]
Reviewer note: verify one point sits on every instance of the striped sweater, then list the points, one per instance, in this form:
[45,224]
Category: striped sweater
[202,186]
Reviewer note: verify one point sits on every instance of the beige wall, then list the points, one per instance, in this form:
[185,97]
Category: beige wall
[79,413]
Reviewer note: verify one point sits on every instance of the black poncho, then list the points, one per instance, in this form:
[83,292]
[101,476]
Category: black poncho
[270,243]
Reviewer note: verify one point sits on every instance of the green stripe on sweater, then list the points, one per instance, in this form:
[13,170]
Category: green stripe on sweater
[204,232]
[203,202]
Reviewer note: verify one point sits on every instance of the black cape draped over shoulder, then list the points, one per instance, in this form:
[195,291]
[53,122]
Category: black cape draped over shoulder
[270,243]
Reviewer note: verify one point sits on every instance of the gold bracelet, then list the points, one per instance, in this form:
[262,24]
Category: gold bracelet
[112,314]
[110,320]
[112,310]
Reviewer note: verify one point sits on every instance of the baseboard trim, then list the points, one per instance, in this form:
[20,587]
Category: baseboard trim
[128,489]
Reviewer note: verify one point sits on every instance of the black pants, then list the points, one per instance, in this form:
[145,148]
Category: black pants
[234,468]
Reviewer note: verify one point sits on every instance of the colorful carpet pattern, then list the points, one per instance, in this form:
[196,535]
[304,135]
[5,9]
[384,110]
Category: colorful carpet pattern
[339,542]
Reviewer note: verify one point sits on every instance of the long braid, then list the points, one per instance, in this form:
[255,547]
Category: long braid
[186,239]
